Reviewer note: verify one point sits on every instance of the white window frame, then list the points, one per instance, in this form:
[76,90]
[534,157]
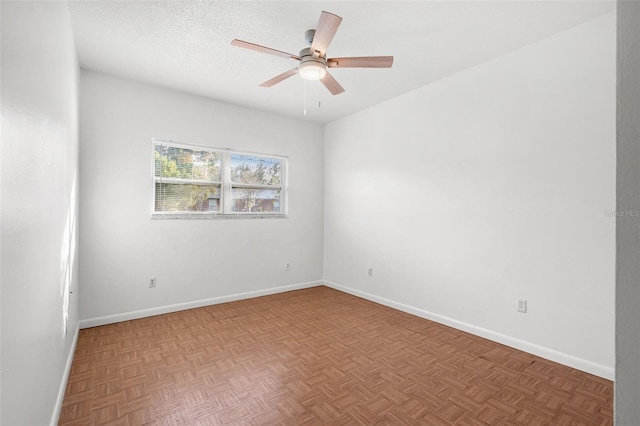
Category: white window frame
[225,184]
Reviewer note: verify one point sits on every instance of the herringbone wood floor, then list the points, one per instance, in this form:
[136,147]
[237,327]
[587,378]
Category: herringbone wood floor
[317,356]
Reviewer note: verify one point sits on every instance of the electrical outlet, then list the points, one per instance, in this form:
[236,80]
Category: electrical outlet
[152,282]
[370,273]
[522,306]
[287,266]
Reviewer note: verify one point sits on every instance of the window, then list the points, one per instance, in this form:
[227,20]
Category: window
[190,181]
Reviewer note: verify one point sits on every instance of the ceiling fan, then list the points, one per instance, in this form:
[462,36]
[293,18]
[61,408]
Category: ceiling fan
[313,59]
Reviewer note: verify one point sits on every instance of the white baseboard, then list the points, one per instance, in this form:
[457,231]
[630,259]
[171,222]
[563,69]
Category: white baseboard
[126,316]
[550,354]
[55,417]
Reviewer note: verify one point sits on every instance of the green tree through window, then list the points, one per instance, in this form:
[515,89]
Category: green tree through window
[191,180]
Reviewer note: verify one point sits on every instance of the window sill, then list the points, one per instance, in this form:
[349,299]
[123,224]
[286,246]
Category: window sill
[218,216]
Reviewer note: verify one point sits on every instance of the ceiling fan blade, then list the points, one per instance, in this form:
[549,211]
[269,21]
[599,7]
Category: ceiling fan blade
[327,27]
[361,62]
[263,49]
[331,84]
[277,79]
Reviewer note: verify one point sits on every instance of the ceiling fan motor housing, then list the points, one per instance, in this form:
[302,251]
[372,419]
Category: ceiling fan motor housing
[312,68]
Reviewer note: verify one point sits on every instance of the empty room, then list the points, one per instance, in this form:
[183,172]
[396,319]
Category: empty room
[303,212]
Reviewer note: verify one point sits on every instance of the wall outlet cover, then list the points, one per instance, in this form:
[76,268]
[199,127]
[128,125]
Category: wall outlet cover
[522,306]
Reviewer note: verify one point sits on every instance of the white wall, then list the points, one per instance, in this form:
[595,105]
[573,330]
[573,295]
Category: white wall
[627,385]
[39,182]
[485,187]
[193,260]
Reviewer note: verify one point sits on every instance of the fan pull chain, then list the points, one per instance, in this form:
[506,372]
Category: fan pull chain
[319,90]
[305,97]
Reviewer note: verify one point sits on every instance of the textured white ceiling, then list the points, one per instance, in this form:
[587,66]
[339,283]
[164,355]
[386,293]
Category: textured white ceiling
[185,45]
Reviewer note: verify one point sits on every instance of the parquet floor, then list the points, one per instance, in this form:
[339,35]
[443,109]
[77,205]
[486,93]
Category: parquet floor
[317,356]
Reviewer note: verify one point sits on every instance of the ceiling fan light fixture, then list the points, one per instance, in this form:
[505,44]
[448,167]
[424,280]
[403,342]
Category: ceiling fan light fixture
[312,70]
